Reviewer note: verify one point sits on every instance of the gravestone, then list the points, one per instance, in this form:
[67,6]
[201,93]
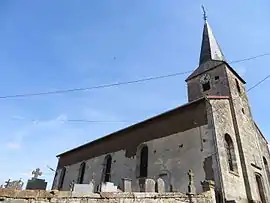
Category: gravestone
[208,185]
[35,183]
[149,185]
[160,185]
[108,187]
[83,188]
[141,184]
[126,185]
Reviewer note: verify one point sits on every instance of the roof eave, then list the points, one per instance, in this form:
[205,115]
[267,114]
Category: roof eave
[223,62]
[193,76]
[128,128]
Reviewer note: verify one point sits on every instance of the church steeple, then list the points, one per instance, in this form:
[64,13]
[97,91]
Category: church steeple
[210,49]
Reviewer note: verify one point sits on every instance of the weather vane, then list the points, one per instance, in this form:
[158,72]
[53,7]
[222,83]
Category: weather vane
[204,13]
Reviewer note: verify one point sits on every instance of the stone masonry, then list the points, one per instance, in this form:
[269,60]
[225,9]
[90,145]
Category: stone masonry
[34,196]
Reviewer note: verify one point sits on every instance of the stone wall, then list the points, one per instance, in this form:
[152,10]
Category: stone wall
[233,182]
[28,196]
[247,138]
[168,157]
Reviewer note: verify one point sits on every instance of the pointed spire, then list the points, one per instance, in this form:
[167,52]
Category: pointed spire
[210,49]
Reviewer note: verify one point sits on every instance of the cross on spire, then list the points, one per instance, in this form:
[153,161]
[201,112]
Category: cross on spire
[204,14]
[36,173]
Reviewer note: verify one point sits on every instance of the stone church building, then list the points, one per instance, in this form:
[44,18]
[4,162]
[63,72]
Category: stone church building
[213,134]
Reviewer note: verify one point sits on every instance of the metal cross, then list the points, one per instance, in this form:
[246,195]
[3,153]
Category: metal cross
[93,176]
[71,185]
[204,13]
[7,183]
[37,173]
[190,177]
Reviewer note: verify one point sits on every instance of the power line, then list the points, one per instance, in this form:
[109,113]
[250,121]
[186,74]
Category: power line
[116,84]
[93,87]
[250,58]
[258,83]
[108,121]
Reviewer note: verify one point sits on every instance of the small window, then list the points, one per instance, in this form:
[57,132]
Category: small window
[81,173]
[237,86]
[216,77]
[243,110]
[144,162]
[206,86]
[107,169]
[266,168]
[61,179]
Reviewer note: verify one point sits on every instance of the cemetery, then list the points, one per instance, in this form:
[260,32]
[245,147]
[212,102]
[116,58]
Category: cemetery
[151,191]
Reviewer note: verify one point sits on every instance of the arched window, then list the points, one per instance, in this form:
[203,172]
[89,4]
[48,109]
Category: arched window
[107,168]
[81,173]
[260,187]
[144,161]
[237,86]
[266,168]
[61,178]
[230,153]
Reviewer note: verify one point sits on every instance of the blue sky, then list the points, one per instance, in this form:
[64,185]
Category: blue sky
[50,45]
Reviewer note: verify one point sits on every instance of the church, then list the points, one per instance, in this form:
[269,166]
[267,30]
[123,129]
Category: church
[213,134]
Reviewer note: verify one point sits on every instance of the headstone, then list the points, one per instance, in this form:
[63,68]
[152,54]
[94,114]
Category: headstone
[207,185]
[83,188]
[35,183]
[160,185]
[108,187]
[191,184]
[149,185]
[141,183]
[127,185]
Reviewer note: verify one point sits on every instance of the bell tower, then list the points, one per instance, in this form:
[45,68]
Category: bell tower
[215,77]
[211,76]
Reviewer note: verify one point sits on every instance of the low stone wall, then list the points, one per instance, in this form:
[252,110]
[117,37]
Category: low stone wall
[34,196]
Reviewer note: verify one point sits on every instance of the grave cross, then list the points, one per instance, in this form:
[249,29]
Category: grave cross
[71,185]
[191,185]
[37,173]
[93,176]
[190,177]
[7,183]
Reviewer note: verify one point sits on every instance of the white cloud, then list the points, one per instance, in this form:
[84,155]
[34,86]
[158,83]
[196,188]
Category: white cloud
[16,117]
[13,145]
